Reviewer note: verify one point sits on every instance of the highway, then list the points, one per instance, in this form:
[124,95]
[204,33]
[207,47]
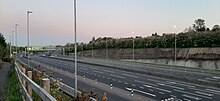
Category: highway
[142,85]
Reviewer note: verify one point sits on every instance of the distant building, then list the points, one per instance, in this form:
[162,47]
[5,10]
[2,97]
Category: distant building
[42,48]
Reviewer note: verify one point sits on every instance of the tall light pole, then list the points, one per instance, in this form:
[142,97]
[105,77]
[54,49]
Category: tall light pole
[75,49]
[16,41]
[28,36]
[10,46]
[175,44]
[92,48]
[106,43]
[133,46]
[12,42]
[82,48]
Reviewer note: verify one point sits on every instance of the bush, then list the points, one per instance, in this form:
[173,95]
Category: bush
[12,91]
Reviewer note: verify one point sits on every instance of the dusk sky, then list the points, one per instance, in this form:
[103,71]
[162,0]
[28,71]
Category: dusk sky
[52,20]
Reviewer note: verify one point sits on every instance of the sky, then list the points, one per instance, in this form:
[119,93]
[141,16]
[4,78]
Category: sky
[51,22]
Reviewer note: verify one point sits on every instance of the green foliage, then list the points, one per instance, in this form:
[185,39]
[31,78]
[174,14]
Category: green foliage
[196,36]
[12,91]
[199,25]
[2,46]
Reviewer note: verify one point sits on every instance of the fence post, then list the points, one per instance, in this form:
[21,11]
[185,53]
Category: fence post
[29,86]
[46,84]
[23,81]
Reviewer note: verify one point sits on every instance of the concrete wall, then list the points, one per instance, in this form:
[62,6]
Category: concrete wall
[191,57]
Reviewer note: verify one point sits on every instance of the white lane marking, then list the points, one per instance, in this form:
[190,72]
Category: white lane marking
[129,75]
[97,71]
[119,81]
[117,76]
[133,85]
[151,90]
[185,85]
[216,77]
[103,77]
[108,71]
[185,99]
[140,91]
[202,93]
[217,91]
[126,83]
[191,97]
[108,78]
[113,79]
[192,94]
[157,88]
[211,79]
[145,83]
[170,86]
[144,92]
[160,92]
[142,87]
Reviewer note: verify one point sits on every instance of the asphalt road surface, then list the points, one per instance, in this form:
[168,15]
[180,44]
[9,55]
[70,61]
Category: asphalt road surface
[143,85]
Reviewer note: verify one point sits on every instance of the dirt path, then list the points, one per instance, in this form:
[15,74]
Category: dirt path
[3,78]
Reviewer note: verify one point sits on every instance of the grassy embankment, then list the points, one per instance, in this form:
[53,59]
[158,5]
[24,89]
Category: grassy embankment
[12,90]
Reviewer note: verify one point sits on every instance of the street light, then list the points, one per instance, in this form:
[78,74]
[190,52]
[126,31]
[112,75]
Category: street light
[28,36]
[10,46]
[16,40]
[12,43]
[133,45]
[175,44]
[75,48]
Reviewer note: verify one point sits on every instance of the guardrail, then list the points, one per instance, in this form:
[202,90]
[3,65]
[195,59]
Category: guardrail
[64,87]
[45,96]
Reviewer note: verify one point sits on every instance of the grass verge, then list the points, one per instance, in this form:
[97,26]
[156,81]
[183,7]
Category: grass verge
[12,90]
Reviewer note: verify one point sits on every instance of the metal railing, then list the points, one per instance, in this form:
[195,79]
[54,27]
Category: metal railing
[64,87]
[45,96]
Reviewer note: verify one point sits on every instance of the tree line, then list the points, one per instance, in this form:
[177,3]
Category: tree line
[4,47]
[197,35]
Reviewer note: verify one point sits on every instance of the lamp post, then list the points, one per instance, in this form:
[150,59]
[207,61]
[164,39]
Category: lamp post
[12,43]
[133,47]
[175,44]
[75,48]
[10,46]
[16,41]
[28,36]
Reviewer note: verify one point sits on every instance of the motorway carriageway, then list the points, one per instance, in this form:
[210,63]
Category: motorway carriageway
[151,87]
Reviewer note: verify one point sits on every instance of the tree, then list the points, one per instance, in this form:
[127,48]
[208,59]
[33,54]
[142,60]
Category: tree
[2,46]
[199,25]
[216,27]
